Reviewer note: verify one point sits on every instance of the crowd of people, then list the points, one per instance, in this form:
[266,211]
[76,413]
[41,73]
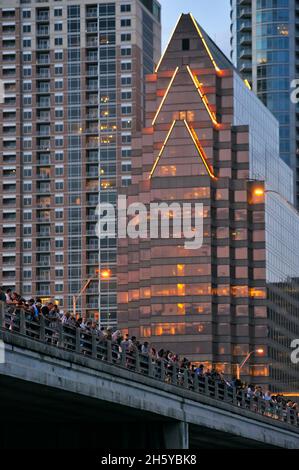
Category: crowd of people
[35,310]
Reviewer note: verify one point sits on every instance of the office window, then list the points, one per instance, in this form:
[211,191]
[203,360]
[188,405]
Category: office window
[126,8]
[125,23]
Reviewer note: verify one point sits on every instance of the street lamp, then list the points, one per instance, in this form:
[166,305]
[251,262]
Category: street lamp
[104,274]
[240,366]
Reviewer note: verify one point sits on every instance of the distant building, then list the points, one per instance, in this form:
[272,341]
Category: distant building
[209,139]
[73,75]
[264,40]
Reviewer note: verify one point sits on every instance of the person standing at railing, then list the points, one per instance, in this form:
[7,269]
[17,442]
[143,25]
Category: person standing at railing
[8,297]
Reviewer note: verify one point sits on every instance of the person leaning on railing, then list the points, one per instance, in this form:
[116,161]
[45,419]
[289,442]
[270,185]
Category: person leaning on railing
[177,370]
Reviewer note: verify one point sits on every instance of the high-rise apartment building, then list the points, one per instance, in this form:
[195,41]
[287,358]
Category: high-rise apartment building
[208,139]
[265,40]
[73,78]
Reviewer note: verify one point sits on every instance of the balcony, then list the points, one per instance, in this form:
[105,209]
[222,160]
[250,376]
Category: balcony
[93,201]
[9,188]
[43,233]
[92,218]
[92,246]
[9,58]
[9,116]
[92,58]
[44,160]
[45,103]
[43,45]
[9,261]
[92,130]
[43,73]
[8,44]
[42,16]
[43,262]
[43,219]
[43,277]
[92,115]
[246,40]
[246,67]
[245,53]
[245,26]
[43,31]
[43,175]
[43,88]
[43,117]
[43,60]
[91,12]
[44,145]
[92,100]
[43,248]
[245,12]
[92,72]
[92,42]
[43,292]
[45,189]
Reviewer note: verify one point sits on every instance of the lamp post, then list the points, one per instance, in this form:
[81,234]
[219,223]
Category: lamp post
[240,366]
[104,274]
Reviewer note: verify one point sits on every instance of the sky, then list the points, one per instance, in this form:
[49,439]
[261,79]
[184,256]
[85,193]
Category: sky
[212,15]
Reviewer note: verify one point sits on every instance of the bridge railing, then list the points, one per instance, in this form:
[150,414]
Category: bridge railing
[80,341]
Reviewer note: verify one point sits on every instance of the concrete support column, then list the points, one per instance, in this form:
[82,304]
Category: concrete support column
[176,435]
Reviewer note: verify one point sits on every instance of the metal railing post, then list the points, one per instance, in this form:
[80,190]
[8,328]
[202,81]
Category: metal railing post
[186,378]
[225,392]
[123,358]
[137,362]
[42,331]
[162,374]
[216,388]
[77,340]
[60,335]
[109,351]
[93,346]
[150,368]
[235,402]
[288,415]
[22,322]
[195,382]
[174,378]
[243,403]
[207,389]
[2,315]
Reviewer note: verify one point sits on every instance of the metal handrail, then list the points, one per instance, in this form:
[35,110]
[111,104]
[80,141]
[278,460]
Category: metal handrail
[77,340]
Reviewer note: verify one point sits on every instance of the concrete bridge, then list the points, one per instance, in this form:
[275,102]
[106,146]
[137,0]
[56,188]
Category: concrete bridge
[90,397]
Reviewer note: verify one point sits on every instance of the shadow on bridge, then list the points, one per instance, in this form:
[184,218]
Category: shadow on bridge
[39,417]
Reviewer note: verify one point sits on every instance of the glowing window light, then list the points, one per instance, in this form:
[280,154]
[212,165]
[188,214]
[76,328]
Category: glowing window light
[204,43]
[162,149]
[203,97]
[165,96]
[162,56]
[199,149]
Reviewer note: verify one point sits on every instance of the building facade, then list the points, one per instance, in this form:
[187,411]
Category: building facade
[208,139]
[264,39]
[73,79]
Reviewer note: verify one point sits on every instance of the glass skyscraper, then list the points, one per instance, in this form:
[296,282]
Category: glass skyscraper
[208,139]
[73,74]
[264,39]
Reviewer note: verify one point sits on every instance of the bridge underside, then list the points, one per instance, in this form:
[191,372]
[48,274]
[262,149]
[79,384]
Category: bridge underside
[35,416]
